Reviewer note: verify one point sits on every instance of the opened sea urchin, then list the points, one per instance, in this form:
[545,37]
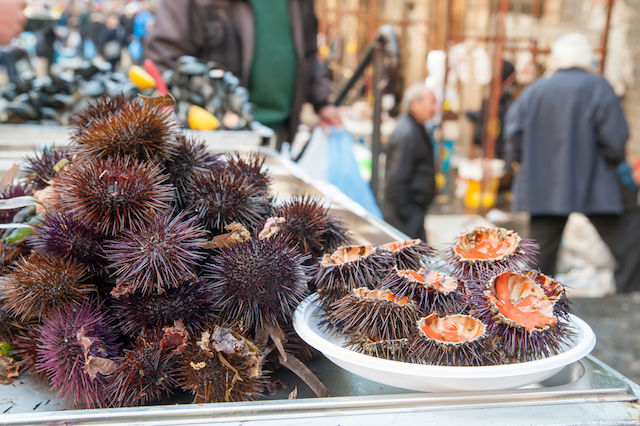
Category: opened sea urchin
[411,254]
[374,314]
[349,268]
[453,340]
[484,251]
[516,308]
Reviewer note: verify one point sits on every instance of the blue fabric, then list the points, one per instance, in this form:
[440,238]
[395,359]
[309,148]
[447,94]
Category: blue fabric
[624,176]
[89,50]
[135,49]
[141,23]
[343,172]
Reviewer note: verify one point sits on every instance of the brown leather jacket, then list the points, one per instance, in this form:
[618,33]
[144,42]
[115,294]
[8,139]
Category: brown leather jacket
[223,31]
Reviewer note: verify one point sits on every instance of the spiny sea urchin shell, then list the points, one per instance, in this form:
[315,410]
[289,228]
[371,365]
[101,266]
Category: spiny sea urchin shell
[453,340]
[486,251]
[221,366]
[192,157]
[260,281]
[40,170]
[349,268]
[12,191]
[191,302]
[60,235]
[113,194]
[74,351]
[554,290]
[218,200]
[311,226]
[158,254]
[145,373]
[394,350]
[250,167]
[25,348]
[40,284]
[373,314]
[104,106]
[411,254]
[517,309]
[135,130]
[430,290]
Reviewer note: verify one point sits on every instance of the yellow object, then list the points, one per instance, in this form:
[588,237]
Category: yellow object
[474,198]
[441,180]
[141,78]
[200,119]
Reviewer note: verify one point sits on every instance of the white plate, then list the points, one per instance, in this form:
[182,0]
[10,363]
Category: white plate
[430,378]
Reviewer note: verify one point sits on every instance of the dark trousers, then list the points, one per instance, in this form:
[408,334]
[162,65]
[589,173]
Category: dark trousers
[411,223]
[620,232]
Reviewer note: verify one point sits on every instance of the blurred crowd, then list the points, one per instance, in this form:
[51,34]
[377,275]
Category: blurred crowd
[111,30]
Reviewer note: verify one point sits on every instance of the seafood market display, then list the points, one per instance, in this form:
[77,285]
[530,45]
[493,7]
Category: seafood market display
[136,264]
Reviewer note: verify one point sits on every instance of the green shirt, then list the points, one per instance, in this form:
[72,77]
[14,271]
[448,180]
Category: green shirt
[273,71]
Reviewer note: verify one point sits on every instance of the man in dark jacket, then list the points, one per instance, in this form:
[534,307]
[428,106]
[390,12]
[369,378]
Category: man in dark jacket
[270,45]
[409,185]
[568,133]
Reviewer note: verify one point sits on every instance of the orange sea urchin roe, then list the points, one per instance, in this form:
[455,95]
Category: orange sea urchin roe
[397,245]
[486,244]
[347,254]
[416,276]
[522,301]
[452,328]
[380,295]
[442,283]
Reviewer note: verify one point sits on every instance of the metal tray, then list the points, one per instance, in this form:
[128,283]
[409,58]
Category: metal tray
[585,392]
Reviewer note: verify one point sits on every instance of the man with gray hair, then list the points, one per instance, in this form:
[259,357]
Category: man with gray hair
[568,133]
[409,185]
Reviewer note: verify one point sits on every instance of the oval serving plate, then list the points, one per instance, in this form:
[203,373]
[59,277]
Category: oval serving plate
[431,378]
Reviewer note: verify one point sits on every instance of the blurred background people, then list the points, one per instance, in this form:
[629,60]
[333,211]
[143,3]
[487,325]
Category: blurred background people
[569,133]
[270,45]
[409,185]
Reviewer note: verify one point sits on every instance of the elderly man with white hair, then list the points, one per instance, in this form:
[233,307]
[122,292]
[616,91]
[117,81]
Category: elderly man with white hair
[568,132]
[409,185]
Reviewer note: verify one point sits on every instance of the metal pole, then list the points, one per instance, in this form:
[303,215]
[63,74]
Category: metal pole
[378,65]
[605,36]
[493,126]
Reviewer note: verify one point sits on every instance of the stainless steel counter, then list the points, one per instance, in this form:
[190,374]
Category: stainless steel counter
[585,392]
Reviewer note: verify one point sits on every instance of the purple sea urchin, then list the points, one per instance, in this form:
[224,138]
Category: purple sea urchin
[517,309]
[554,290]
[249,167]
[74,351]
[144,374]
[192,157]
[113,194]
[135,130]
[349,268]
[454,340]
[62,236]
[104,106]
[218,200]
[484,251]
[25,348]
[260,282]
[221,366]
[158,254]
[394,350]
[40,284]
[191,302]
[40,170]
[430,290]
[373,314]
[411,254]
[310,225]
